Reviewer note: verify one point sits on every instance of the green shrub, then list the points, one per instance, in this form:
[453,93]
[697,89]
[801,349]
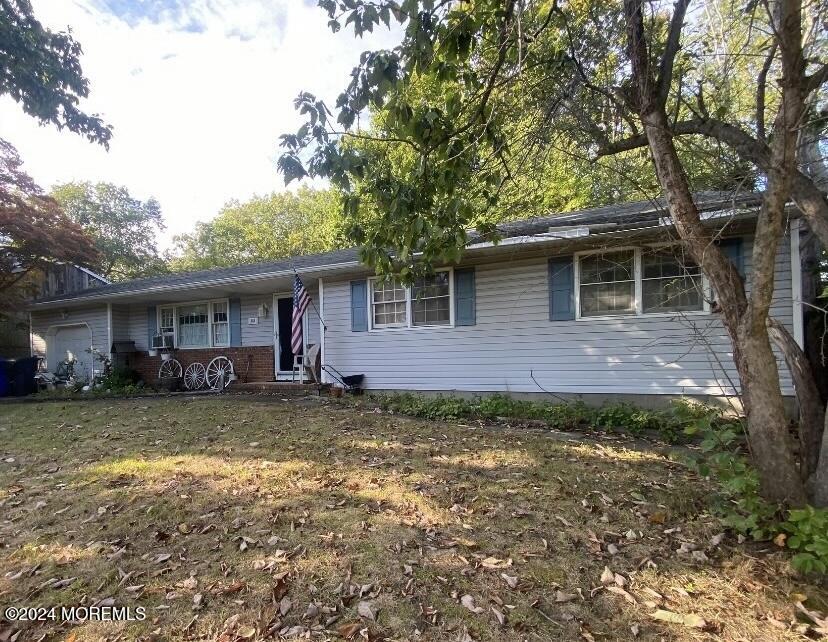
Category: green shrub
[499,405]
[567,416]
[561,416]
[807,530]
[120,378]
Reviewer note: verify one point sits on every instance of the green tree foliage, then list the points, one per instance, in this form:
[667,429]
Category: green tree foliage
[34,232]
[41,70]
[265,228]
[494,110]
[124,228]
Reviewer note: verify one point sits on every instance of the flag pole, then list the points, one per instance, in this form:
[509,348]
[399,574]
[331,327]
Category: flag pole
[321,320]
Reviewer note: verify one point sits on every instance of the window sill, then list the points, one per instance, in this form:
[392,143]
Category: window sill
[403,328]
[646,315]
[199,347]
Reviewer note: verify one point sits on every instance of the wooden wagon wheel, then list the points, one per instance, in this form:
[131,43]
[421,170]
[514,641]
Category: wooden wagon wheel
[170,368]
[195,376]
[219,373]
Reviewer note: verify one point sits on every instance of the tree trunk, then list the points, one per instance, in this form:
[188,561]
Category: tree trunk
[818,484]
[744,319]
[811,410]
[767,424]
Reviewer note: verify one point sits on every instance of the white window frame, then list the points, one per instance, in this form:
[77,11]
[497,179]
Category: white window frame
[372,303]
[638,281]
[213,323]
[409,312]
[209,303]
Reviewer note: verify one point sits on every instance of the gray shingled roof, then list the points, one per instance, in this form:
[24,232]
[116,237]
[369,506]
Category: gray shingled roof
[624,214]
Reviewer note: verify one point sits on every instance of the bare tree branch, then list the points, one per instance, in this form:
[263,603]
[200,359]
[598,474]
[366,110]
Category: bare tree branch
[761,86]
[665,73]
[816,79]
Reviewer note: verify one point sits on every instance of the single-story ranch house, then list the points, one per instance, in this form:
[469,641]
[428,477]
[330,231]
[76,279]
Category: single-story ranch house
[596,302]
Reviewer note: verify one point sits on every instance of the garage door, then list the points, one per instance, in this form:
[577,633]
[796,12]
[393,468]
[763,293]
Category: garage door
[72,342]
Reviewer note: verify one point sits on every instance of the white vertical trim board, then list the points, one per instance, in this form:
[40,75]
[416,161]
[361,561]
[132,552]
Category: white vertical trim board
[321,295]
[108,330]
[796,285]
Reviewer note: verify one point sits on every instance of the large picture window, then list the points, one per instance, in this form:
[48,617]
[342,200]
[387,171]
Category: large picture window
[648,280]
[388,304]
[193,326]
[608,284]
[196,325]
[429,302]
[670,282]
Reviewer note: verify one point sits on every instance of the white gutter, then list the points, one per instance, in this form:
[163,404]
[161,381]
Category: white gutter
[200,284]
[545,237]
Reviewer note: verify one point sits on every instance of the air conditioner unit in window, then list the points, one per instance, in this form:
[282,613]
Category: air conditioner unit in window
[162,341]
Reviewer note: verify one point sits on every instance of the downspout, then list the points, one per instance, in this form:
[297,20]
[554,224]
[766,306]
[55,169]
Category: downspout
[796,285]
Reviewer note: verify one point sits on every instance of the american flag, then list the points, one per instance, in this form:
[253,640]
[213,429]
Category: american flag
[301,301]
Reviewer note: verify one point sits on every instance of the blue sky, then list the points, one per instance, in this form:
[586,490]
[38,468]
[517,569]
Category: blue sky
[197,91]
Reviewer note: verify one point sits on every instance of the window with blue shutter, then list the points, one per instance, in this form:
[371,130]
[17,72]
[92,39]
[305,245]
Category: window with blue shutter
[561,289]
[152,325]
[734,250]
[465,307]
[359,306]
[235,323]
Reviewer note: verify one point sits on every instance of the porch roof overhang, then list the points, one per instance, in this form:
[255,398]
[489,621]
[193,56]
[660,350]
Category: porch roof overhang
[552,235]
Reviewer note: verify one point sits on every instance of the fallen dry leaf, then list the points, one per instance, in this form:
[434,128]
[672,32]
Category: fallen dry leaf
[468,601]
[349,631]
[511,580]
[367,610]
[689,619]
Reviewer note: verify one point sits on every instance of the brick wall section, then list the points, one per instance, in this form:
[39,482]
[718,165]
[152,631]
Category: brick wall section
[261,361]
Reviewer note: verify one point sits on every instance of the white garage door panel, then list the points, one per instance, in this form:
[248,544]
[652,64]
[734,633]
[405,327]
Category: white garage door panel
[72,342]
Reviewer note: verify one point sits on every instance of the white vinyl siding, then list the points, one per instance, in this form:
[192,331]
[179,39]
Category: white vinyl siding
[260,334]
[514,347]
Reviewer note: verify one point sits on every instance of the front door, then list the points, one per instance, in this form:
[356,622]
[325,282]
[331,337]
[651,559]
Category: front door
[283,320]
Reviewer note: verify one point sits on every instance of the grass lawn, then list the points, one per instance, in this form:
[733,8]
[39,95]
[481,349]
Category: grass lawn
[235,519]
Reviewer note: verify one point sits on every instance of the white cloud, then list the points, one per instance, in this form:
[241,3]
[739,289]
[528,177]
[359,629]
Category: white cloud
[197,97]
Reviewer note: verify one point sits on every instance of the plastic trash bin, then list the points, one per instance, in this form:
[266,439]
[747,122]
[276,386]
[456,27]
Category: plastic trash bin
[23,376]
[5,377]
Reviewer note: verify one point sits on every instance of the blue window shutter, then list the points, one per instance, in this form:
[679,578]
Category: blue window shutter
[733,249]
[465,308]
[152,325]
[359,306]
[561,289]
[235,323]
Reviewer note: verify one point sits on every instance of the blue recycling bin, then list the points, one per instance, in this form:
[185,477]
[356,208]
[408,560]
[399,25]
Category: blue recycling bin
[23,377]
[5,377]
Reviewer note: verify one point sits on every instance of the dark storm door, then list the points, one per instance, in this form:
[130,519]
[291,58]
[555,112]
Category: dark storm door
[285,312]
